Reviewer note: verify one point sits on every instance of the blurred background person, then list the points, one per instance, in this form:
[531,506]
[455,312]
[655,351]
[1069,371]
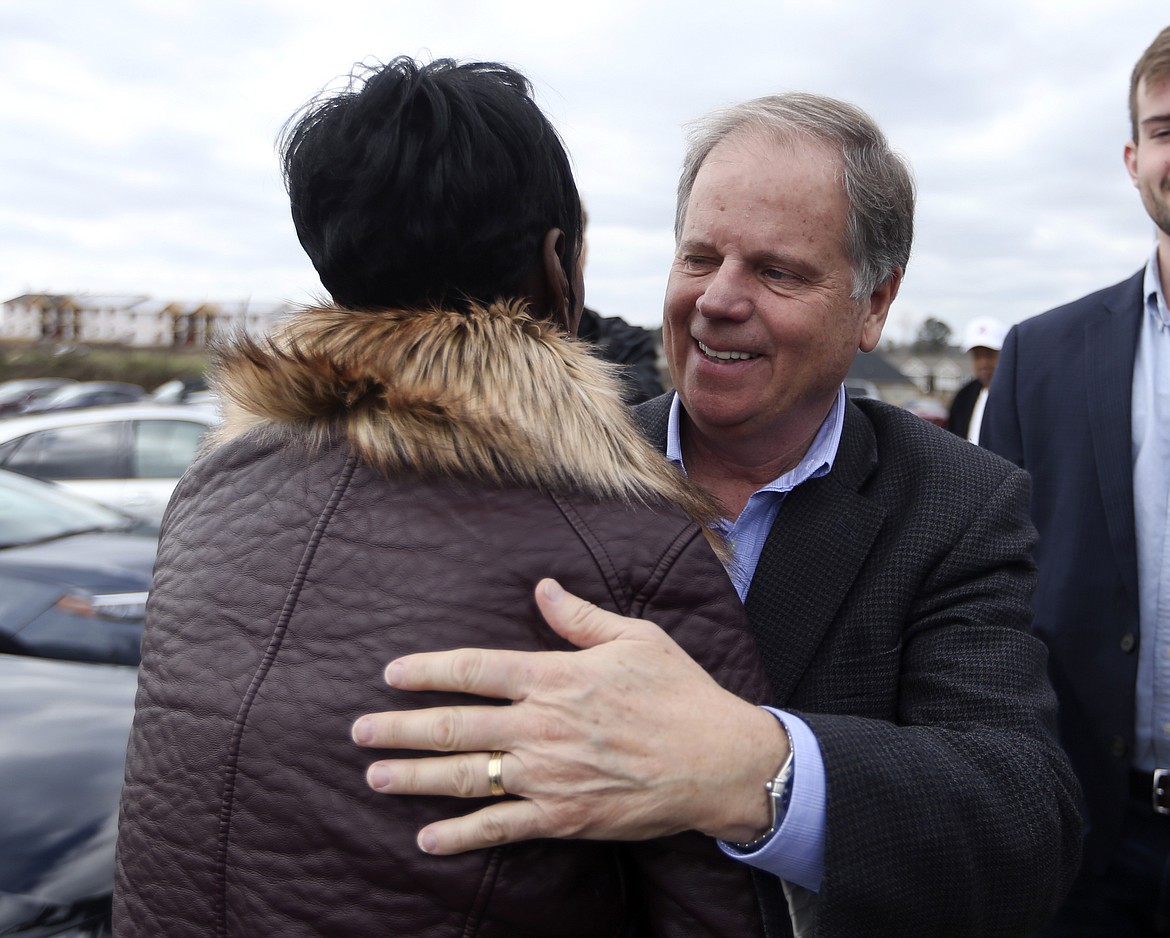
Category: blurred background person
[982,339]
[632,347]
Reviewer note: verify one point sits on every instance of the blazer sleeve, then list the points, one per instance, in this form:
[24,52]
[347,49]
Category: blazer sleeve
[959,817]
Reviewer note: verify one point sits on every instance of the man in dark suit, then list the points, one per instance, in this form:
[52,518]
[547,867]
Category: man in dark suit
[907,781]
[1081,399]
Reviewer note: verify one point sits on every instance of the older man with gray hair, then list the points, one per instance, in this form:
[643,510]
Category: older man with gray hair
[905,780]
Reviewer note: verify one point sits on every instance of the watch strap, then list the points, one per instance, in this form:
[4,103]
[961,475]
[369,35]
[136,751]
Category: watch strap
[779,789]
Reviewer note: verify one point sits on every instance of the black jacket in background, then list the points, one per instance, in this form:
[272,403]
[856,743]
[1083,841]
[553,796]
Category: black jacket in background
[633,347]
[962,407]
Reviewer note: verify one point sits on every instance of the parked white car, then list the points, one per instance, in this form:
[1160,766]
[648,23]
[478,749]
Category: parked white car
[128,456]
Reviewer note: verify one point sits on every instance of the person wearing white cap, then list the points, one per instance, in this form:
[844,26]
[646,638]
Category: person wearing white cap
[983,338]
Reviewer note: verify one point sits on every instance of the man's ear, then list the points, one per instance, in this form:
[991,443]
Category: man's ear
[1130,154]
[557,291]
[878,309]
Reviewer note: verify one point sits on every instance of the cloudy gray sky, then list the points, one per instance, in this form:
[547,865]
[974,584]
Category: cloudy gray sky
[138,155]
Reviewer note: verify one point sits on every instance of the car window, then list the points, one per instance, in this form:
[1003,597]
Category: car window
[34,511]
[115,397]
[66,393]
[87,451]
[164,449]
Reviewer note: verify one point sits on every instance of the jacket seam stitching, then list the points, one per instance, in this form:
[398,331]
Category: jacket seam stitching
[596,547]
[487,886]
[231,768]
[665,564]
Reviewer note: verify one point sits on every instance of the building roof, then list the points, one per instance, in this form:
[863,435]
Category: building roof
[872,366]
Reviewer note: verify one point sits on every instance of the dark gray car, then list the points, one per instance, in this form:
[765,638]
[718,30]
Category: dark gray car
[86,394]
[74,575]
[63,733]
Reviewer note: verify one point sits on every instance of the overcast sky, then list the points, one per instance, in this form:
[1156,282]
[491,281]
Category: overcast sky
[137,138]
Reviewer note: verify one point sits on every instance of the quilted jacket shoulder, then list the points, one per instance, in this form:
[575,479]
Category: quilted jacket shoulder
[291,569]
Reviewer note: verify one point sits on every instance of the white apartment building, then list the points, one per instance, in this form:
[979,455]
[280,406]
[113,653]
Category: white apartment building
[80,318]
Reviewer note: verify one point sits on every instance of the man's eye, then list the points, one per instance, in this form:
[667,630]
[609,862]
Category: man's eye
[776,275]
[697,262]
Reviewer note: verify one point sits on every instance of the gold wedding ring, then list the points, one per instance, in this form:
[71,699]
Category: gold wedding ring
[495,773]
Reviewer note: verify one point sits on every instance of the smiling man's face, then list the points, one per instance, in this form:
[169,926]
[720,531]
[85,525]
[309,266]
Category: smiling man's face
[1148,157]
[759,325]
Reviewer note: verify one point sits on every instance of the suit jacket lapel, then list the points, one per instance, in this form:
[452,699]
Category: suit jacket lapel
[652,417]
[813,555]
[1110,347]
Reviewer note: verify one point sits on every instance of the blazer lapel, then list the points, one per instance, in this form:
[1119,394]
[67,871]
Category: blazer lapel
[652,416]
[1110,347]
[813,555]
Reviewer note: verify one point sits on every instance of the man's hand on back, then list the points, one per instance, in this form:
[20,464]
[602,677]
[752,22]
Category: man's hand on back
[626,739]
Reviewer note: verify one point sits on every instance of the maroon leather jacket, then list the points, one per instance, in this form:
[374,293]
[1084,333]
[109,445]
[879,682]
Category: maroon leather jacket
[298,558]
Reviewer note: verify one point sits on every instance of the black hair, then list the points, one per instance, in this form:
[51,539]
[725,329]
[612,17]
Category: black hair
[423,185]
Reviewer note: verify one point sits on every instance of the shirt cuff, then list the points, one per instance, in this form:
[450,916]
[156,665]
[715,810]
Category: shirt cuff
[796,851]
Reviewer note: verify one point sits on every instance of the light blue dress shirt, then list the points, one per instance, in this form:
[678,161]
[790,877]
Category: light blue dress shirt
[1150,405]
[796,852]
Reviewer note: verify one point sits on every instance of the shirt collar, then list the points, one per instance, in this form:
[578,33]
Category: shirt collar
[1153,292]
[817,461]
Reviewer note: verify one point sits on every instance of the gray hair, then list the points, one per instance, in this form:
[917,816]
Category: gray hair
[879,227]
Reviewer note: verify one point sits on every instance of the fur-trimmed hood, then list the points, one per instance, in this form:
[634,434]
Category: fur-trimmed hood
[492,395]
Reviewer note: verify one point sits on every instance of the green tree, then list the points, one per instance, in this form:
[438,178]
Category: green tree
[933,336]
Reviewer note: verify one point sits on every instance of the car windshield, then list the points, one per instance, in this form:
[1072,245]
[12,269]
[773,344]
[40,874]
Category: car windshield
[66,393]
[32,511]
[17,390]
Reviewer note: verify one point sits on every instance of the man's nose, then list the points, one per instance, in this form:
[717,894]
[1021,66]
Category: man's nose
[728,293]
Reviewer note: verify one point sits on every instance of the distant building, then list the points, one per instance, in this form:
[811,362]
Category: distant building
[134,320]
[879,378]
[937,373]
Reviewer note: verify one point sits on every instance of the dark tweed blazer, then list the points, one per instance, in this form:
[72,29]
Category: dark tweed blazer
[1060,406]
[891,606]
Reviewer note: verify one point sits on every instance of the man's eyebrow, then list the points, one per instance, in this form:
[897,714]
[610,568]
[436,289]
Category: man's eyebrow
[772,259]
[1154,119]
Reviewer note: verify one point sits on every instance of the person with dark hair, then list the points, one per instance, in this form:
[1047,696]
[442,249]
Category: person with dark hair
[905,779]
[1081,400]
[395,472]
[431,187]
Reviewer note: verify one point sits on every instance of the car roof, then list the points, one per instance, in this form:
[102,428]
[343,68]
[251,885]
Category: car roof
[21,424]
[96,385]
[24,383]
[75,389]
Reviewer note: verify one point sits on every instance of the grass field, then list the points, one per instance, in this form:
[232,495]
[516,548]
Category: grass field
[145,367]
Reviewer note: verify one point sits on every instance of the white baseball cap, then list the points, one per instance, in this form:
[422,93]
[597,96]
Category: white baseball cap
[984,332]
